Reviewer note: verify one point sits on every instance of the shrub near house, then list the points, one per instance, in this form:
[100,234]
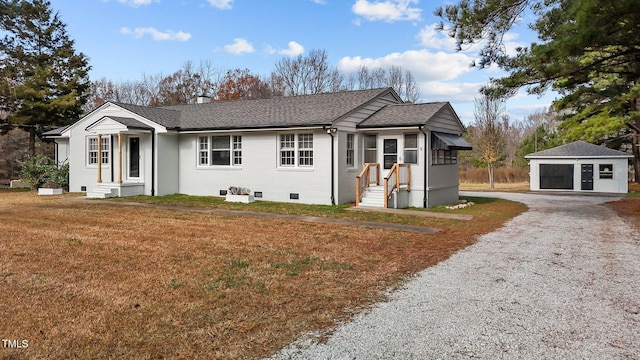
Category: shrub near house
[43,171]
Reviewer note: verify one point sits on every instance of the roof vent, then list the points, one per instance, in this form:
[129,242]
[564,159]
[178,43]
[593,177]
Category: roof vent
[203,99]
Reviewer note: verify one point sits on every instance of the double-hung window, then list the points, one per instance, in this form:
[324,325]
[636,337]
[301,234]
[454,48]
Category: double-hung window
[370,149]
[410,148]
[350,150]
[219,150]
[94,150]
[296,150]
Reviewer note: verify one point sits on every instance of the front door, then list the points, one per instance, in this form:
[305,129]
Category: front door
[134,157]
[389,152]
[587,177]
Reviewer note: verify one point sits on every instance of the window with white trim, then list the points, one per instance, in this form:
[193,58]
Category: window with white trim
[296,150]
[370,149]
[237,150]
[350,150]
[287,150]
[606,171]
[305,149]
[410,148]
[93,150]
[203,150]
[219,150]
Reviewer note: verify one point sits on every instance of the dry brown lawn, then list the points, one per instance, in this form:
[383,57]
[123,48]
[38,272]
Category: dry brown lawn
[510,187]
[98,280]
[630,206]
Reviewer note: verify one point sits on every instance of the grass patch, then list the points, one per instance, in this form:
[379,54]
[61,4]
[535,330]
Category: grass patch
[112,281]
[508,187]
[68,241]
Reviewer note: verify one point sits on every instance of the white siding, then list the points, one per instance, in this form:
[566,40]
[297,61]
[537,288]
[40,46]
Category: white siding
[62,150]
[445,121]
[259,170]
[365,111]
[83,175]
[168,180]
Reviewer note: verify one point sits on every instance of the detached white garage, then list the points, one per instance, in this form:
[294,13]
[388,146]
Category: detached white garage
[579,166]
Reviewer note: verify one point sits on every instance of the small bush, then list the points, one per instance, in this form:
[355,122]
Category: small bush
[40,169]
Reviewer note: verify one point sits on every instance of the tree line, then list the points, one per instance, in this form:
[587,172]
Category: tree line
[300,75]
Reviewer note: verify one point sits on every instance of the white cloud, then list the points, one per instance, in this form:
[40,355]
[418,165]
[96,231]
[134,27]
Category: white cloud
[221,4]
[424,65]
[239,46]
[387,10]
[320,2]
[510,43]
[432,38]
[136,3]
[294,49]
[157,35]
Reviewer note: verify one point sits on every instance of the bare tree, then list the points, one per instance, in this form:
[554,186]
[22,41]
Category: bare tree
[401,80]
[490,126]
[306,75]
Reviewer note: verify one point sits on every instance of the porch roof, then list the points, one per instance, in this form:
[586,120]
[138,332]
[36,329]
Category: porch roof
[126,123]
[130,123]
[453,142]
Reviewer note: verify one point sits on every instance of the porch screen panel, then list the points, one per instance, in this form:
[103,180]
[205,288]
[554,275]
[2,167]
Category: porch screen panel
[556,176]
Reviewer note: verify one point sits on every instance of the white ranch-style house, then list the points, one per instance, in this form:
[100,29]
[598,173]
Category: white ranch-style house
[315,149]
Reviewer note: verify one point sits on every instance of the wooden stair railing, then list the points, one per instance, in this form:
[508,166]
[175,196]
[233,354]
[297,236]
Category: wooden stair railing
[399,175]
[365,179]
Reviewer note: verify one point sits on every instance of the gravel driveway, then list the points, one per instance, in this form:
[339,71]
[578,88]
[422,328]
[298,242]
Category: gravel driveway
[561,281]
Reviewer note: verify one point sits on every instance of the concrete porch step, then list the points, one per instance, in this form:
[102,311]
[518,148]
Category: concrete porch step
[102,192]
[373,197]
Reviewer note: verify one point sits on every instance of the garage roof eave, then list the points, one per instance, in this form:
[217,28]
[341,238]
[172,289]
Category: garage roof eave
[629,156]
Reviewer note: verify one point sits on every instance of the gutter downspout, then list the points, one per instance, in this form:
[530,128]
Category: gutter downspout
[153,162]
[330,131]
[425,201]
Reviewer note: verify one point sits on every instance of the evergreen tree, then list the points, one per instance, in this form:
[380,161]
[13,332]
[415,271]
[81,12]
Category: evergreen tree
[44,82]
[543,138]
[587,50]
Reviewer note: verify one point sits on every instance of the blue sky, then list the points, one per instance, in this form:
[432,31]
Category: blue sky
[125,39]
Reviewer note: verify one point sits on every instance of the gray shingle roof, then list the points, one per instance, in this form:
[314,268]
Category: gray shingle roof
[166,117]
[129,122]
[285,111]
[55,132]
[579,149]
[403,115]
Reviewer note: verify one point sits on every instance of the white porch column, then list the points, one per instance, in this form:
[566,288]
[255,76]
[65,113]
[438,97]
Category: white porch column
[119,158]
[99,158]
